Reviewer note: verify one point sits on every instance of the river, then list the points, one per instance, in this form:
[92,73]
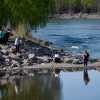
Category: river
[73,35]
[68,86]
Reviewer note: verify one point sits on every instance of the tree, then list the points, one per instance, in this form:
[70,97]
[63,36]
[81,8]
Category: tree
[25,12]
[77,5]
[3,13]
[87,4]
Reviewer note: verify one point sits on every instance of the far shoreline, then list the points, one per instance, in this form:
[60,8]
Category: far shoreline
[67,16]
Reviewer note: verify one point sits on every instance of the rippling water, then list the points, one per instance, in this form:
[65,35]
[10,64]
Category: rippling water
[73,35]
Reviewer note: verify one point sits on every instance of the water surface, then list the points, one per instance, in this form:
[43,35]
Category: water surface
[68,86]
[73,35]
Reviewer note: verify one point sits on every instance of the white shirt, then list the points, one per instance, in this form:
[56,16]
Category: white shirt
[17,41]
[57,56]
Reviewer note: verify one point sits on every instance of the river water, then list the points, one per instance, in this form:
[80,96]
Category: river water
[73,35]
[68,86]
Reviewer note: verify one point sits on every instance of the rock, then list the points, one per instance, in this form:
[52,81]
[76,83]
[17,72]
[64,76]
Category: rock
[2,60]
[42,51]
[7,61]
[23,51]
[31,56]
[4,51]
[13,49]
[77,61]
[29,62]
[2,74]
[25,62]
[94,60]
[13,56]
[31,74]
[20,55]
[78,56]
[15,64]
[16,57]
[44,59]
[46,43]
[5,56]
[0,48]
[32,61]
[68,60]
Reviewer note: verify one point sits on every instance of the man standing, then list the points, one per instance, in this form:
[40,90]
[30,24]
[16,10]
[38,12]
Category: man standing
[17,43]
[85,58]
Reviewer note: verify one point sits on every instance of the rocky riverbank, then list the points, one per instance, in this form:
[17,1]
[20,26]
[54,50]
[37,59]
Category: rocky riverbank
[76,16]
[31,54]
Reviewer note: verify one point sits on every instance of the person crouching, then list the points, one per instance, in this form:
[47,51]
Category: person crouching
[57,58]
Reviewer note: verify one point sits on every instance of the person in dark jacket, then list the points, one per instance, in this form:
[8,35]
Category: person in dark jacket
[85,58]
[8,34]
[2,36]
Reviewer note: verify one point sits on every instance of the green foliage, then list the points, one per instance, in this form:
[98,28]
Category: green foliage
[88,3]
[34,12]
[3,13]
[80,5]
[77,3]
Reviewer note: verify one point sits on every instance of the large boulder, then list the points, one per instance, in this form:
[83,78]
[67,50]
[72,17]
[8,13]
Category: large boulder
[45,59]
[13,56]
[15,63]
[68,60]
[12,49]
[94,60]
[16,57]
[2,60]
[77,61]
[4,51]
[25,62]
[31,56]
[23,51]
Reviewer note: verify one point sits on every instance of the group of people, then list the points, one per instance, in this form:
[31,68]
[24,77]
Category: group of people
[57,58]
[4,35]
[85,56]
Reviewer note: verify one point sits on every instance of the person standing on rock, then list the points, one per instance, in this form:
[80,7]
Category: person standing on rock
[85,58]
[57,58]
[2,35]
[8,34]
[17,44]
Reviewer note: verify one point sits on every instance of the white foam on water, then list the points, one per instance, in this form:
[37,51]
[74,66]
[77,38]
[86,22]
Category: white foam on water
[75,47]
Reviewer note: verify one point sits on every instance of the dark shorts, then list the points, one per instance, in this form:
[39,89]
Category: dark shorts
[85,61]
